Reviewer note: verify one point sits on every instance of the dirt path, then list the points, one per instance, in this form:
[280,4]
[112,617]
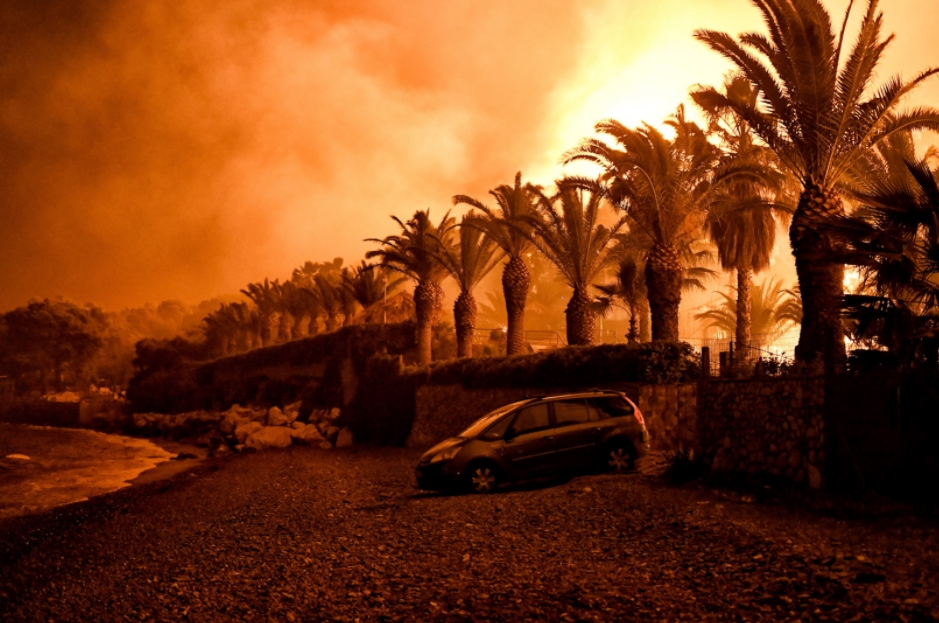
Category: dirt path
[307,535]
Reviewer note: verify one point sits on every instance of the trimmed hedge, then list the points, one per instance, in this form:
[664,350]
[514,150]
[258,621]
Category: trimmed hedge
[585,366]
[249,378]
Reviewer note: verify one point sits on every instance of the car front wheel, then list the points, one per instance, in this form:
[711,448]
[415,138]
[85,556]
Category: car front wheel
[620,459]
[482,478]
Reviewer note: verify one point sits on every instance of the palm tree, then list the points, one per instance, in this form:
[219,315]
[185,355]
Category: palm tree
[265,301]
[412,253]
[249,324]
[566,229]
[628,287]
[663,186]
[299,304]
[893,240]
[819,116]
[221,329]
[506,226]
[369,283]
[741,221]
[329,293]
[468,262]
[771,306]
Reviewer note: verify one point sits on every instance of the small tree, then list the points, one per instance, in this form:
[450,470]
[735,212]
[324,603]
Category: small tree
[567,231]
[468,262]
[414,253]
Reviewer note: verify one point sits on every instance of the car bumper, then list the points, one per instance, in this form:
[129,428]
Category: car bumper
[436,476]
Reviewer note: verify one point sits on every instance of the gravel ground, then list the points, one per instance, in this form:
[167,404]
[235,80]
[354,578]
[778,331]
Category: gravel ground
[308,535]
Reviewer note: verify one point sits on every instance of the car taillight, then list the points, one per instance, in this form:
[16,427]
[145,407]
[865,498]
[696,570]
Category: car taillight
[636,412]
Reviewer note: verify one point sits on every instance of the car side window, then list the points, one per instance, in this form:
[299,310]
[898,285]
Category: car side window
[593,413]
[572,411]
[612,406]
[497,430]
[531,419]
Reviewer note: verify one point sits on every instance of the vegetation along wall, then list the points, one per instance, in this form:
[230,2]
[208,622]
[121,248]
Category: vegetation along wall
[764,426]
[322,371]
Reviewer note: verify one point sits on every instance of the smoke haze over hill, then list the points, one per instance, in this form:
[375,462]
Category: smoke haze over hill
[179,150]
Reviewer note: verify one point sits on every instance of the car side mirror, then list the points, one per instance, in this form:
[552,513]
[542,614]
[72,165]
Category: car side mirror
[509,435]
[491,436]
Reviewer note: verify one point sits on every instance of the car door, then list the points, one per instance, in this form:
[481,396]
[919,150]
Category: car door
[529,448]
[577,432]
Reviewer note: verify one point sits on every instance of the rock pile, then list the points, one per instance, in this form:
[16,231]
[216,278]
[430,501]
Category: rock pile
[242,428]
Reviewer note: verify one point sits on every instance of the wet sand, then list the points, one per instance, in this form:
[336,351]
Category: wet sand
[51,467]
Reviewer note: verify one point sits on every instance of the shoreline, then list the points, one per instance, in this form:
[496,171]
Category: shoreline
[67,466]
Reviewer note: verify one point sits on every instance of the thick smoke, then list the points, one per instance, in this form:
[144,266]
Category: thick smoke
[170,149]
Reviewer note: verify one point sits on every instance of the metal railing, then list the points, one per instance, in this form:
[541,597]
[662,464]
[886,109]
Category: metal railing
[724,354]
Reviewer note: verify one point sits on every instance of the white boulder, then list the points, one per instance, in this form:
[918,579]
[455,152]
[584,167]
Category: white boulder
[276,417]
[292,411]
[344,438]
[243,431]
[307,435]
[269,437]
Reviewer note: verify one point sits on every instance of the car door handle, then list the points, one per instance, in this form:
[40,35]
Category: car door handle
[551,438]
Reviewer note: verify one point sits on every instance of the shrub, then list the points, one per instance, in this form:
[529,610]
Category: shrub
[667,362]
[584,366]
[683,466]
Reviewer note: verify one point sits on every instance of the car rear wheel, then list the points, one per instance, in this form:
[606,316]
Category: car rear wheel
[483,478]
[620,458]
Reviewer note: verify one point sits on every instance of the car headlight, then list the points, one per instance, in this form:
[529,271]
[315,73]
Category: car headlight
[446,455]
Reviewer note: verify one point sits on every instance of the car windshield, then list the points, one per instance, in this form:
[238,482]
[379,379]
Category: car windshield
[483,423]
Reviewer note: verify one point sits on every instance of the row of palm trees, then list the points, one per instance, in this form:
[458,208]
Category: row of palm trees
[793,132]
[322,299]
[797,129]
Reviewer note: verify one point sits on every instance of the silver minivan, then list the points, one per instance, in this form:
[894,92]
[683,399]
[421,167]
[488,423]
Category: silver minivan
[538,437]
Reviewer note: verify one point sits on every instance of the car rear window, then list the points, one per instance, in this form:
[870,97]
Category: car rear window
[531,419]
[573,411]
[612,406]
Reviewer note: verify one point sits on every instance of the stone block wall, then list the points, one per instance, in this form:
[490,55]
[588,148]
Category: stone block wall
[671,415]
[442,411]
[770,426]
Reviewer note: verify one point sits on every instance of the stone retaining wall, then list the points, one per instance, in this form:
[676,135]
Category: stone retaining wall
[771,426]
[768,426]
[442,411]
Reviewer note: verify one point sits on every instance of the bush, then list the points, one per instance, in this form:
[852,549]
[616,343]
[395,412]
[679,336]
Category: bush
[667,362]
[683,466]
[585,366]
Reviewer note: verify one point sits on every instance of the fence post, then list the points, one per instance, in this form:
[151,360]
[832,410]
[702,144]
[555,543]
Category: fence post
[705,362]
[722,363]
[730,354]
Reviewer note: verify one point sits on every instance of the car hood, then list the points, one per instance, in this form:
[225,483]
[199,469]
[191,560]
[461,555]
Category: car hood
[443,445]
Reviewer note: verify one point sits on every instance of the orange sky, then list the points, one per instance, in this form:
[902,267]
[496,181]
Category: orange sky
[180,150]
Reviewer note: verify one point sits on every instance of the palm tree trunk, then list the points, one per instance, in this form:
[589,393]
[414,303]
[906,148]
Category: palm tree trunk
[633,336]
[663,281]
[427,297]
[265,333]
[515,282]
[645,321]
[464,316]
[744,310]
[332,322]
[820,279]
[580,319]
[300,327]
[283,328]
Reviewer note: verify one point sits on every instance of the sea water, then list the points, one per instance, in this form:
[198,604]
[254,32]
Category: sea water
[42,467]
